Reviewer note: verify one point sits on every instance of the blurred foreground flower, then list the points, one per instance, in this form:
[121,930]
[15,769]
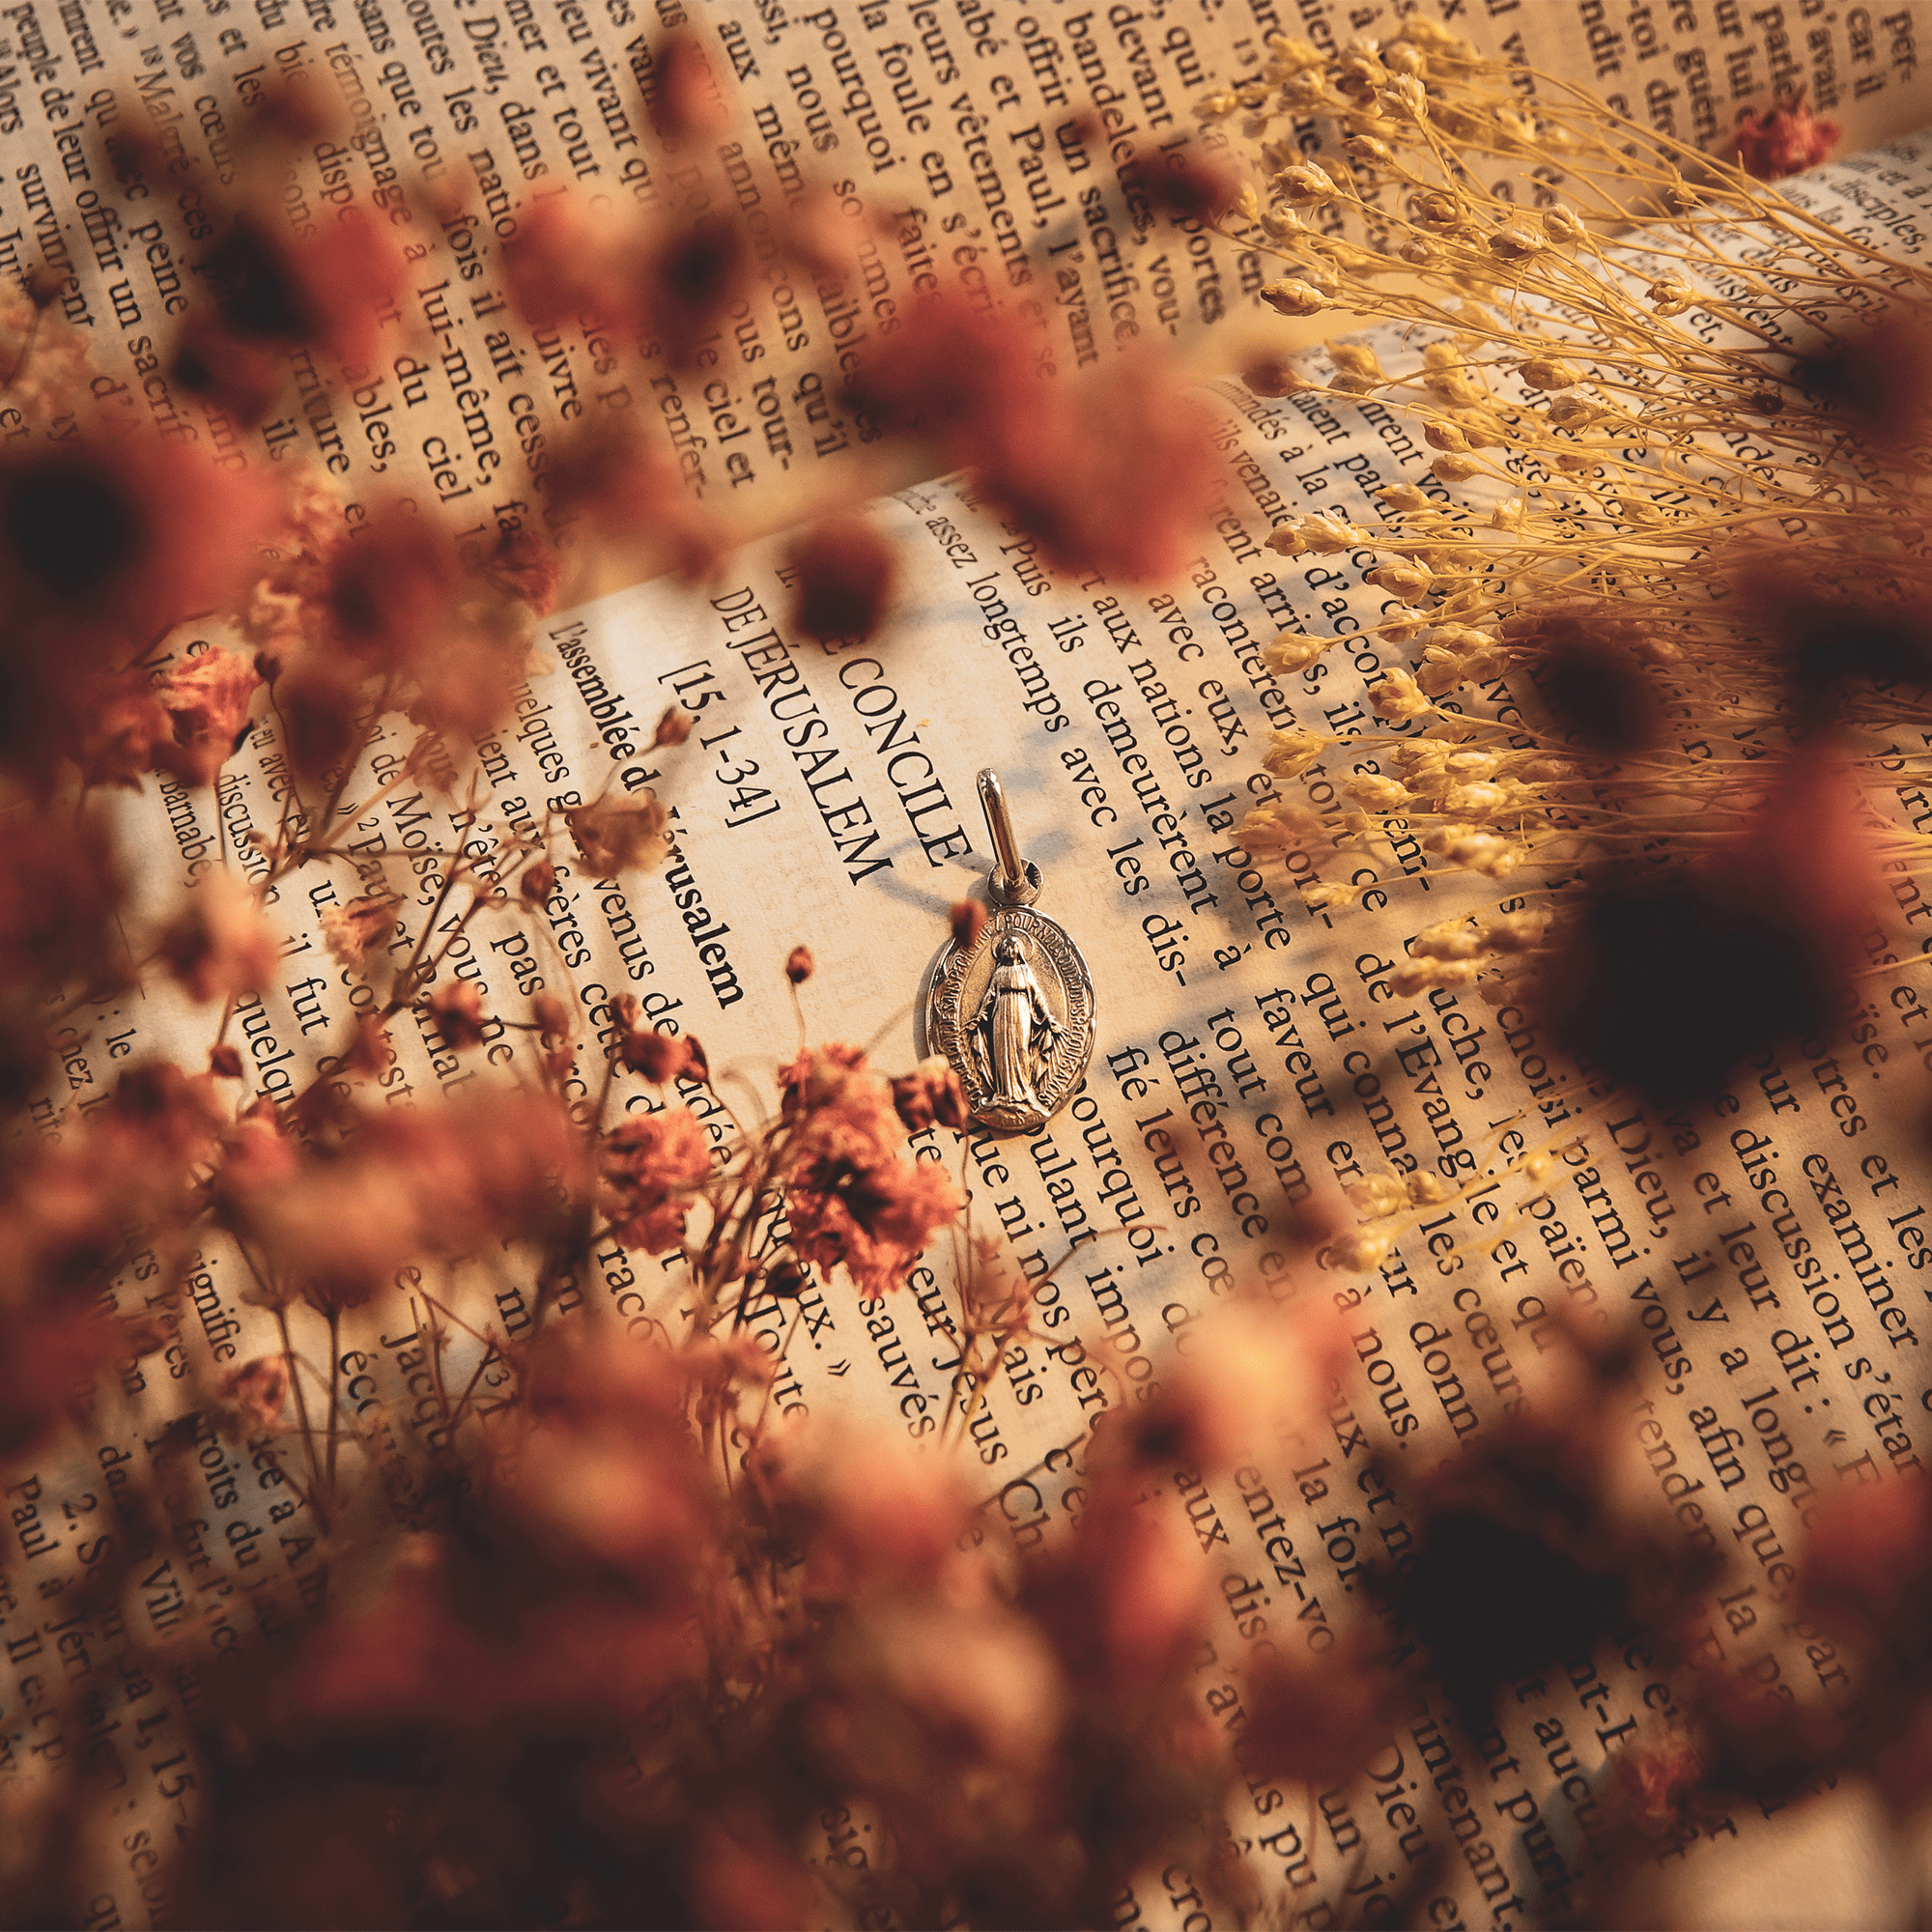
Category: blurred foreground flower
[1664,677]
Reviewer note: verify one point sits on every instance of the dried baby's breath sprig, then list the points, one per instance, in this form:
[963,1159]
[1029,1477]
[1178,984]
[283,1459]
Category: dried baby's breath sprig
[1674,426]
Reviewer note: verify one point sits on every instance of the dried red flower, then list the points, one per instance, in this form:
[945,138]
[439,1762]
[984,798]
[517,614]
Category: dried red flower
[629,494]
[563,264]
[931,1095]
[1879,378]
[621,834]
[659,1057]
[331,289]
[1318,1722]
[120,725]
[838,1109]
[353,930]
[1783,141]
[852,1197]
[116,548]
[323,715]
[797,965]
[207,699]
[241,378]
[1669,983]
[1108,472]
[458,1011]
[873,1221]
[218,946]
[47,1353]
[527,569]
[689,98]
[1868,1567]
[651,1168]
[257,1391]
[1197,185]
[845,570]
[692,279]
[1655,1772]
[969,922]
[694,1058]
[1585,670]
[335,1224]
[393,587]
[785,1279]
[537,883]
[59,890]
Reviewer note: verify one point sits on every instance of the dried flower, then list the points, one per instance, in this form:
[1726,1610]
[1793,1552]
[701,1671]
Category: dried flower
[931,1095]
[257,1392]
[659,1057]
[674,727]
[1051,453]
[208,699]
[457,1009]
[688,100]
[969,922]
[351,931]
[219,947]
[1783,141]
[620,834]
[845,572]
[652,1168]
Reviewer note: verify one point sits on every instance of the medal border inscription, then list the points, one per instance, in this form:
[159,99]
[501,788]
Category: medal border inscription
[947,1027]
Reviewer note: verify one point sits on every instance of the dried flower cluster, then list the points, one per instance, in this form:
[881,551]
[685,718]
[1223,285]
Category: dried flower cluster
[593,1627]
[1619,656]
[591,1630]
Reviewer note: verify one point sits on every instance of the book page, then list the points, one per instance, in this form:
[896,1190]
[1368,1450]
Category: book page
[1252,1058]
[1022,160]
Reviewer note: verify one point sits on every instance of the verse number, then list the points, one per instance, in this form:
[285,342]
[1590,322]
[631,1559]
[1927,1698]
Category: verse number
[746,801]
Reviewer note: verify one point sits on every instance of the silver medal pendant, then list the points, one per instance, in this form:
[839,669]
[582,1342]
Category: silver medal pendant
[1013,1012]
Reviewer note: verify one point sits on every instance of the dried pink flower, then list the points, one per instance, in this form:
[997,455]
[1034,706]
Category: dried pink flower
[258,1392]
[458,1011]
[674,727]
[845,570]
[969,922]
[652,1166]
[1783,141]
[207,697]
[351,931]
[621,834]
[931,1095]
[659,1057]
[218,946]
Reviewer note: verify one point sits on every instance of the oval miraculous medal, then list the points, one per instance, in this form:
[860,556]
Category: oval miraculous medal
[1013,1012]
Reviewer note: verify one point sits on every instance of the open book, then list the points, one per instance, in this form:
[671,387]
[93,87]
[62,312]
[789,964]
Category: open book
[1251,1058]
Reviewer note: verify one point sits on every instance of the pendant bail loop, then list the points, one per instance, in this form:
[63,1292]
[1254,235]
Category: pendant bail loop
[1012,881]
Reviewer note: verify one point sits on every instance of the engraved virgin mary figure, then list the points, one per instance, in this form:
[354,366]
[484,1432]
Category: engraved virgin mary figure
[1014,1031]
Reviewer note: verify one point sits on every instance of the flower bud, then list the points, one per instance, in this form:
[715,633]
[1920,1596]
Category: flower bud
[1292,299]
[969,922]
